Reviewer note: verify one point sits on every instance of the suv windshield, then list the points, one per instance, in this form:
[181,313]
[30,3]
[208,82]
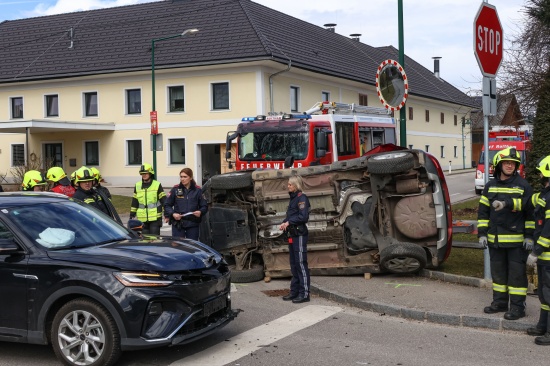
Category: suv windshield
[273,145]
[66,224]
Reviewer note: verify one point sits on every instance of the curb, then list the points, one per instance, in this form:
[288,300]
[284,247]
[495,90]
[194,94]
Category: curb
[460,320]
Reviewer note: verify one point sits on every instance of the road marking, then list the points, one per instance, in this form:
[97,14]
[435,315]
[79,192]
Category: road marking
[455,194]
[253,340]
[397,285]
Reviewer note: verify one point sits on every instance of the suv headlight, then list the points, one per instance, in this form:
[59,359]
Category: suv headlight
[139,279]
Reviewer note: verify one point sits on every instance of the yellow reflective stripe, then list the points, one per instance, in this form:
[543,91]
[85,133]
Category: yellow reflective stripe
[543,242]
[535,199]
[482,223]
[505,190]
[545,256]
[522,291]
[545,307]
[547,214]
[500,288]
[517,204]
[529,224]
[541,202]
[511,238]
[484,201]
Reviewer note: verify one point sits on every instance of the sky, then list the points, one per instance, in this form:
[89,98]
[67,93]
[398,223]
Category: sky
[442,28]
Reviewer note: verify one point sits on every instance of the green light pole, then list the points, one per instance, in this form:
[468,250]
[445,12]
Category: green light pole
[154,109]
[403,110]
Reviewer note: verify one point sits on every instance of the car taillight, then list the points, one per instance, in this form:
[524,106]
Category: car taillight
[445,190]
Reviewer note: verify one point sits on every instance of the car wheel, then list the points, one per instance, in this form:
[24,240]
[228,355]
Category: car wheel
[235,180]
[254,274]
[403,258]
[84,333]
[394,162]
[478,191]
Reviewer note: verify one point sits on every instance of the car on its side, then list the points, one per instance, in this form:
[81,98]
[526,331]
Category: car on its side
[73,278]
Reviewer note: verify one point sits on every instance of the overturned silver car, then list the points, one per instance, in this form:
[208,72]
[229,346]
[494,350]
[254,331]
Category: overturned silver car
[384,212]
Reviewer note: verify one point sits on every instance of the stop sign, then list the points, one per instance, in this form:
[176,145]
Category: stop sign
[488,39]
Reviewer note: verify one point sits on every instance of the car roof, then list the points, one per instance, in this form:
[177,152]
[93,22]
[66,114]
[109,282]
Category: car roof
[11,199]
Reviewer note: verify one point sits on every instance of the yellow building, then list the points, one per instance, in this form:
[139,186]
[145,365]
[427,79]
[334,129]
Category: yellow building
[76,89]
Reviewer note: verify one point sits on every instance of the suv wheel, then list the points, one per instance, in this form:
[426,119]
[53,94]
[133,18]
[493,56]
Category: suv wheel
[84,333]
[403,258]
[234,180]
[254,274]
[390,163]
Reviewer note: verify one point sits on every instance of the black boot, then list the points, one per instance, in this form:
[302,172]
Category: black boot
[514,314]
[543,340]
[492,309]
[540,328]
[289,297]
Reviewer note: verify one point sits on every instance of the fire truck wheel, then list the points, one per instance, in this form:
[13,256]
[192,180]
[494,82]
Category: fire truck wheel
[234,180]
[394,162]
[403,258]
[254,274]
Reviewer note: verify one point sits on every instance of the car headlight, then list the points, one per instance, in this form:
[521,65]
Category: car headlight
[479,174]
[141,279]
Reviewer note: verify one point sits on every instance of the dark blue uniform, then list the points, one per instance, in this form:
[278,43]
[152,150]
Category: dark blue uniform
[182,200]
[297,215]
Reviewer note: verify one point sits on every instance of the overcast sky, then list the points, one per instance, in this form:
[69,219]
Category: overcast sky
[432,27]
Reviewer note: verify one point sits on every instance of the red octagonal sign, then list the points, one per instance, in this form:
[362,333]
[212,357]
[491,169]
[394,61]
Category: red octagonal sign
[488,39]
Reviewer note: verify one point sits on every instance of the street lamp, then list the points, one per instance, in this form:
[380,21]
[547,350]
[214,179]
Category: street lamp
[154,131]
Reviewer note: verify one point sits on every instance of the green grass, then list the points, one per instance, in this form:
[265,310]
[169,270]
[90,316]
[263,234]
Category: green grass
[122,204]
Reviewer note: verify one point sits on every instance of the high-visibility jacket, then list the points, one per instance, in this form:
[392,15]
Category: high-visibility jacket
[148,201]
[508,227]
[541,203]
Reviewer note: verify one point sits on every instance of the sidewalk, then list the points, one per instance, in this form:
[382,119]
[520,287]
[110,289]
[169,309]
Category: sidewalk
[432,297]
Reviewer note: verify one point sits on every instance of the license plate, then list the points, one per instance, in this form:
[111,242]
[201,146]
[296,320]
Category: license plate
[214,305]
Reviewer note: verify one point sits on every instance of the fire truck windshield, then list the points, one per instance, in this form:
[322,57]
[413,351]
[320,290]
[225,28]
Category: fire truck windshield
[255,146]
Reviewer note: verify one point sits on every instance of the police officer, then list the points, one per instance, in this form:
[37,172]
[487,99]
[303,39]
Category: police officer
[541,203]
[61,184]
[297,215]
[148,201]
[506,225]
[84,180]
[33,180]
[184,206]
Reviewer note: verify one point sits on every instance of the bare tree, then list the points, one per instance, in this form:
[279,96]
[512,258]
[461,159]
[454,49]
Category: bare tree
[37,162]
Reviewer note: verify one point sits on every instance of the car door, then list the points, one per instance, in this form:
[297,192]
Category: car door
[13,289]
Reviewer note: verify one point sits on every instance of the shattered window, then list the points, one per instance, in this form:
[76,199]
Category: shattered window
[273,146]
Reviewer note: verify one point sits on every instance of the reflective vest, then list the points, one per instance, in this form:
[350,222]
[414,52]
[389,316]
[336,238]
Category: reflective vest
[150,208]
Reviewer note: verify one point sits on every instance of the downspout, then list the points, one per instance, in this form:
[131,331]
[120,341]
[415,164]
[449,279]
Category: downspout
[271,108]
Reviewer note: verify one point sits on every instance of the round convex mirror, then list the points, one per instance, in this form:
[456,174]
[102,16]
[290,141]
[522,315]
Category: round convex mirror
[392,85]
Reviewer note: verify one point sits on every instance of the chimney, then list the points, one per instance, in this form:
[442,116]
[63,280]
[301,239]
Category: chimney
[355,36]
[436,66]
[330,26]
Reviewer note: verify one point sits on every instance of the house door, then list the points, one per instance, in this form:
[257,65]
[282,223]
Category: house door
[210,163]
[53,154]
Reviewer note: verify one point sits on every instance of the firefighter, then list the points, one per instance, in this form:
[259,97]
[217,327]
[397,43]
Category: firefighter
[297,215]
[541,253]
[148,201]
[97,183]
[61,184]
[33,180]
[506,226]
[84,180]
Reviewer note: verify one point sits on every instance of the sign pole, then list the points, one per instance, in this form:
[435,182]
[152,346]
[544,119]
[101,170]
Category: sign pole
[403,110]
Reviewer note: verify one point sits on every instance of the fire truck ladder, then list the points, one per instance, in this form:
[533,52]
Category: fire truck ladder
[334,107]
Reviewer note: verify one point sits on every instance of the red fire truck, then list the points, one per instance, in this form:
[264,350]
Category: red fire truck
[325,133]
[501,137]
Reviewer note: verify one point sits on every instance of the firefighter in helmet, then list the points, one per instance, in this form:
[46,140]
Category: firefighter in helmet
[506,226]
[33,180]
[97,182]
[541,252]
[84,180]
[148,201]
[61,184]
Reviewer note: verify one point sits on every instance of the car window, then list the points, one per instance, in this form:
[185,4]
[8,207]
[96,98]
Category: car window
[66,224]
[5,233]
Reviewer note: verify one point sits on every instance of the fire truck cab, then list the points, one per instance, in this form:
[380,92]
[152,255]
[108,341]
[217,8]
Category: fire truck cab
[501,137]
[326,133]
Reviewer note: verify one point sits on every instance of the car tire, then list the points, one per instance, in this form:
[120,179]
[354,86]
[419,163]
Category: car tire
[234,180]
[85,317]
[478,191]
[390,163]
[254,274]
[403,258]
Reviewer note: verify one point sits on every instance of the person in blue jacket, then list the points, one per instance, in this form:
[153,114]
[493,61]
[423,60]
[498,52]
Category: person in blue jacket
[297,215]
[184,206]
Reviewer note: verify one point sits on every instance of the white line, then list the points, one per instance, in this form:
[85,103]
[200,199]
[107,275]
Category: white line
[455,194]
[252,340]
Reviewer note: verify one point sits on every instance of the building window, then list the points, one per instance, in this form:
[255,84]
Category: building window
[325,96]
[456,152]
[363,99]
[427,149]
[134,152]
[17,154]
[427,115]
[442,118]
[442,151]
[177,151]
[175,94]
[133,101]
[17,107]
[294,101]
[90,104]
[91,153]
[52,105]
[220,96]
[456,120]
[410,113]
